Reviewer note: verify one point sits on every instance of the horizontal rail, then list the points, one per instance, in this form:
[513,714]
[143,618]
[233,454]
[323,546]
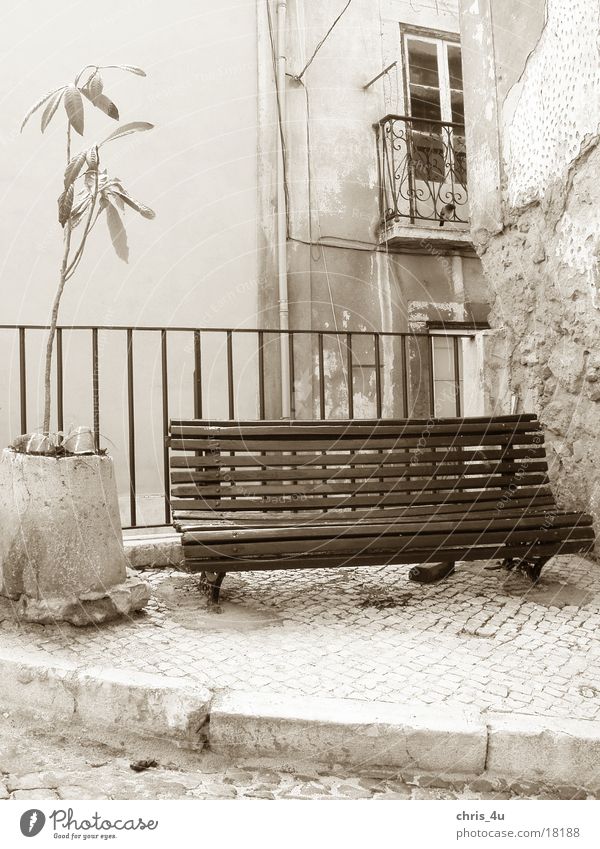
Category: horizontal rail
[129,381]
[275,331]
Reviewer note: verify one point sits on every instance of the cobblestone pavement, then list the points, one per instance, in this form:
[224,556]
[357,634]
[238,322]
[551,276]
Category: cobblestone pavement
[35,765]
[483,637]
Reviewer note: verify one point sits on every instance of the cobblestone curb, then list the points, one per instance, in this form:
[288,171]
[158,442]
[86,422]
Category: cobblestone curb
[347,731]
[438,741]
[114,700]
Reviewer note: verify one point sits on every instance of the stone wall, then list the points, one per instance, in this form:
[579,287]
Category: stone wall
[538,227]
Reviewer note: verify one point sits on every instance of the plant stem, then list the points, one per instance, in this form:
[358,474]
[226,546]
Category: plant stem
[55,308]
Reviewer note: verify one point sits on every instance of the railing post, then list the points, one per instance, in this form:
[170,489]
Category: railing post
[230,387]
[22,380]
[197,375]
[350,376]
[321,376]
[59,380]
[378,398]
[455,343]
[164,383]
[261,374]
[95,390]
[131,429]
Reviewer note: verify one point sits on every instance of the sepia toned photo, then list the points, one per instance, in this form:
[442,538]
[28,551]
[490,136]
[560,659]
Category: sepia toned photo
[299,386]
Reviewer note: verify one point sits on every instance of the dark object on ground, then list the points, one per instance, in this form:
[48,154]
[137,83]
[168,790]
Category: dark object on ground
[311,494]
[430,574]
[142,766]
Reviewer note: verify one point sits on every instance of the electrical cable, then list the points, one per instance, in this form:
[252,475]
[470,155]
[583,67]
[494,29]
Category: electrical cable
[322,42]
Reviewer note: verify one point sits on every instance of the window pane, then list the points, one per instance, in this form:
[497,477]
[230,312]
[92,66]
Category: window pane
[422,62]
[425,103]
[458,107]
[455,67]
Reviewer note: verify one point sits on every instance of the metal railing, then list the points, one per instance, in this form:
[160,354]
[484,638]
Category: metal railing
[423,172]
[129,381]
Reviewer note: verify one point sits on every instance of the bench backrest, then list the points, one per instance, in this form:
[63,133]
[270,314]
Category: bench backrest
[252,468]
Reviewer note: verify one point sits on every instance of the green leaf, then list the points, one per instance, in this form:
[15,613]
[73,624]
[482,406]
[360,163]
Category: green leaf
[73,168]
[74,108]
[125,129]
[65,205]
[39,103]
[117,232]
[131,68]
[51,108]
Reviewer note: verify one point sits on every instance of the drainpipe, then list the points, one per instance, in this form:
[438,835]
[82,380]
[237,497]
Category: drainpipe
[282,213]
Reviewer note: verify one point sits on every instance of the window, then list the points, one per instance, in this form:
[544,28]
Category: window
[434,99]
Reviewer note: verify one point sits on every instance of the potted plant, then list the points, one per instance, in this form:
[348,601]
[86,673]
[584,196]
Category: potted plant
[61,547]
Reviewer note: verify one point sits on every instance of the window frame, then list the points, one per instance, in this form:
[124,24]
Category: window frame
[441,39]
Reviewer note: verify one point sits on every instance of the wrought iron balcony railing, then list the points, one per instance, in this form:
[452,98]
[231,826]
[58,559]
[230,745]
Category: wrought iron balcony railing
[423,172]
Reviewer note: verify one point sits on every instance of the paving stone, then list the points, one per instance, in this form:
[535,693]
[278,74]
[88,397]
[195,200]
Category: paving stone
[40,793]
[75,791]
[32,781]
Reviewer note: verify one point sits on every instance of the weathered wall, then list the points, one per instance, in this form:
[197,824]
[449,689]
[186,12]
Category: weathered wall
[538,228]
[334,195]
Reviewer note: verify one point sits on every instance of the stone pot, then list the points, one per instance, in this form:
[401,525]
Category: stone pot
[61,545]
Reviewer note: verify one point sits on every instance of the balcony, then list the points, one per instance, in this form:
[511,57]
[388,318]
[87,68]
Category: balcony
[423,184]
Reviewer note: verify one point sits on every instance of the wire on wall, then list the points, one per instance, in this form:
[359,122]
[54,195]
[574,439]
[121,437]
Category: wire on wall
[322,42]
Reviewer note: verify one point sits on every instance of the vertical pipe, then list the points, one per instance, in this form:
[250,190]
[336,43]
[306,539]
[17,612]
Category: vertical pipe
[164,383]
[282,208]
[230,386]
[377,349]
[60,413]
[455,342]
[350,376]
[261,374]
[321,377]
[197,376]
[22,380]
[95,390]
[131,429]
[431,376]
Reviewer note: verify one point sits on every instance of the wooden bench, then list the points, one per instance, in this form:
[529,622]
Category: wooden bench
[311,494]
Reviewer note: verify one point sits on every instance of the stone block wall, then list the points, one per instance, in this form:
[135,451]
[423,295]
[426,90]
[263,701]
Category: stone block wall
[536,220]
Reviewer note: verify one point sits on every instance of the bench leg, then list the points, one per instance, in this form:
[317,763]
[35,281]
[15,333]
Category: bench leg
[211,584]
[530,566]
[430,573]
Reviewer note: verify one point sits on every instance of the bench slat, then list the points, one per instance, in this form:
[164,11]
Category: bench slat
[388,542]
[372,484]
[434,555]
[454,524]
[360,458]
[357,472]
[395,499]
[259,443]
[324,430]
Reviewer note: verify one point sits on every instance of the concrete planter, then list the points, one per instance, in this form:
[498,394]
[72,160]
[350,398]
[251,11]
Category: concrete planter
[61,547]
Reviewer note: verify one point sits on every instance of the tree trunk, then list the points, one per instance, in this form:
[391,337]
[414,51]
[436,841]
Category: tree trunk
[52,331]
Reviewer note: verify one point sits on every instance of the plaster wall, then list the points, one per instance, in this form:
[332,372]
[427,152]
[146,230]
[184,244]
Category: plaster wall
[539,234]
[332,178]
[194,265]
